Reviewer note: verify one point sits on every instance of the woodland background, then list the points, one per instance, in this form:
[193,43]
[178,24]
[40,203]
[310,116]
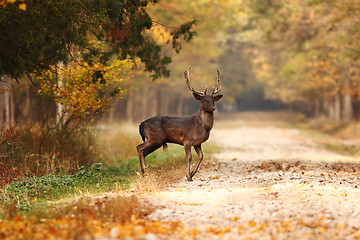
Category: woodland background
[301,55]
[65,66]
[78,76]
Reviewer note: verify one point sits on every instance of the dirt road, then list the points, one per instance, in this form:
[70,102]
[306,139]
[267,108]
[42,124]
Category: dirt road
[266,182]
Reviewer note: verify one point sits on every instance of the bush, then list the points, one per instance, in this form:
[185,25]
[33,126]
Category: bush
[11,155]
[38,151]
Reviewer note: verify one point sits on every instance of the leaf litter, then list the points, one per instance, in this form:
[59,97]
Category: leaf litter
[266,182]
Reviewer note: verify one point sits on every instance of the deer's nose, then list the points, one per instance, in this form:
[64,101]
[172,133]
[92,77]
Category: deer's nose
[212,108]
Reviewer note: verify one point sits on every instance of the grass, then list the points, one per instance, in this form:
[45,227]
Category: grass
[335,136]
[350,150]
[91,202]
[118,170]
[30,193]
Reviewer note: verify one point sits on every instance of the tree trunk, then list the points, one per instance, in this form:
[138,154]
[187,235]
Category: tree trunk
[154,101]
[59,105]
[2,108]
[26,110]
[180,106]
[112,112]
[347,107]
[165,101]
[12,105]
[2,102]
[337,107]
[159,99]
[7,107]
[130,102]
[329,106]
[7,102]
[317,108]
[145,102]
[24,107]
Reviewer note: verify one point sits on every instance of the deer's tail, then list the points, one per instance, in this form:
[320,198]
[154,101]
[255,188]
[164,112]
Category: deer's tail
[164,146]
[141,131]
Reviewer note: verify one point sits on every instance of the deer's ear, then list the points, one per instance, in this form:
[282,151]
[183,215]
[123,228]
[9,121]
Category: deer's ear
[217,98]
[197,96]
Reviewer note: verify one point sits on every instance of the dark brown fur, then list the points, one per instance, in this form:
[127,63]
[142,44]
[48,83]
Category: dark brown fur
[186,131]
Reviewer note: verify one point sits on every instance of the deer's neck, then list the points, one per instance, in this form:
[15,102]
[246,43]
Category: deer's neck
[207,119]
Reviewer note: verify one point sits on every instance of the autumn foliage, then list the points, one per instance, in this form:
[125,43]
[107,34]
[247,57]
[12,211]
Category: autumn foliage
[21,4]
[309,54]
[82,90]
[112,216]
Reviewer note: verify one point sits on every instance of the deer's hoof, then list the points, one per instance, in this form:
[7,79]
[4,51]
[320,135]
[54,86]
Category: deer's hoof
[190,180]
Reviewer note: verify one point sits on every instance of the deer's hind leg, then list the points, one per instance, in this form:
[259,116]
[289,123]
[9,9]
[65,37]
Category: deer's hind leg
[145,149]
[140,148]
[201,156]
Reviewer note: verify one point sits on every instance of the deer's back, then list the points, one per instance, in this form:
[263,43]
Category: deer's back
[169,129]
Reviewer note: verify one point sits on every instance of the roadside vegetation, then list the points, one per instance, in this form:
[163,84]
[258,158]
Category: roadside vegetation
[101,198]
[335,136]
[78,68]
[112,166]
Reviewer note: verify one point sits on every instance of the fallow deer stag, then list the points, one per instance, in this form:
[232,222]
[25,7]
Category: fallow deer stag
[186,131]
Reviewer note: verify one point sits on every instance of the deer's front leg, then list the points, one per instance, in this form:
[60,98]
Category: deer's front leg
[188,156]
[201,155]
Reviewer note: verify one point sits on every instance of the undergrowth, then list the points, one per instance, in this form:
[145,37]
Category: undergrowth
[38,151]
[84,218]
[29,193]
[117,169]
[335,136]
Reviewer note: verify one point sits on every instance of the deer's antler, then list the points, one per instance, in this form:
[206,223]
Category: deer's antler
[187,79]
[217,88]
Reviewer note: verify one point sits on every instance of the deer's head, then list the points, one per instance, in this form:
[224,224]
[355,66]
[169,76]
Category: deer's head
[207,101]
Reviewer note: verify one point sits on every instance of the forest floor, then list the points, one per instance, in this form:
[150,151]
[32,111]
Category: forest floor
[266,181]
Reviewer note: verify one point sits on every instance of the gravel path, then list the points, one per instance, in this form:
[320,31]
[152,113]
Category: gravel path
[265,183]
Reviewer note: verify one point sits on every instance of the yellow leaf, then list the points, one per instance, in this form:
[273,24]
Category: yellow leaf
[264,225]
[340,226]
[22,6]
[252,223]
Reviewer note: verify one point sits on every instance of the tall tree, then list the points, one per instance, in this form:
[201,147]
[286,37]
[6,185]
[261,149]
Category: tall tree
[310,51]
[48,32]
